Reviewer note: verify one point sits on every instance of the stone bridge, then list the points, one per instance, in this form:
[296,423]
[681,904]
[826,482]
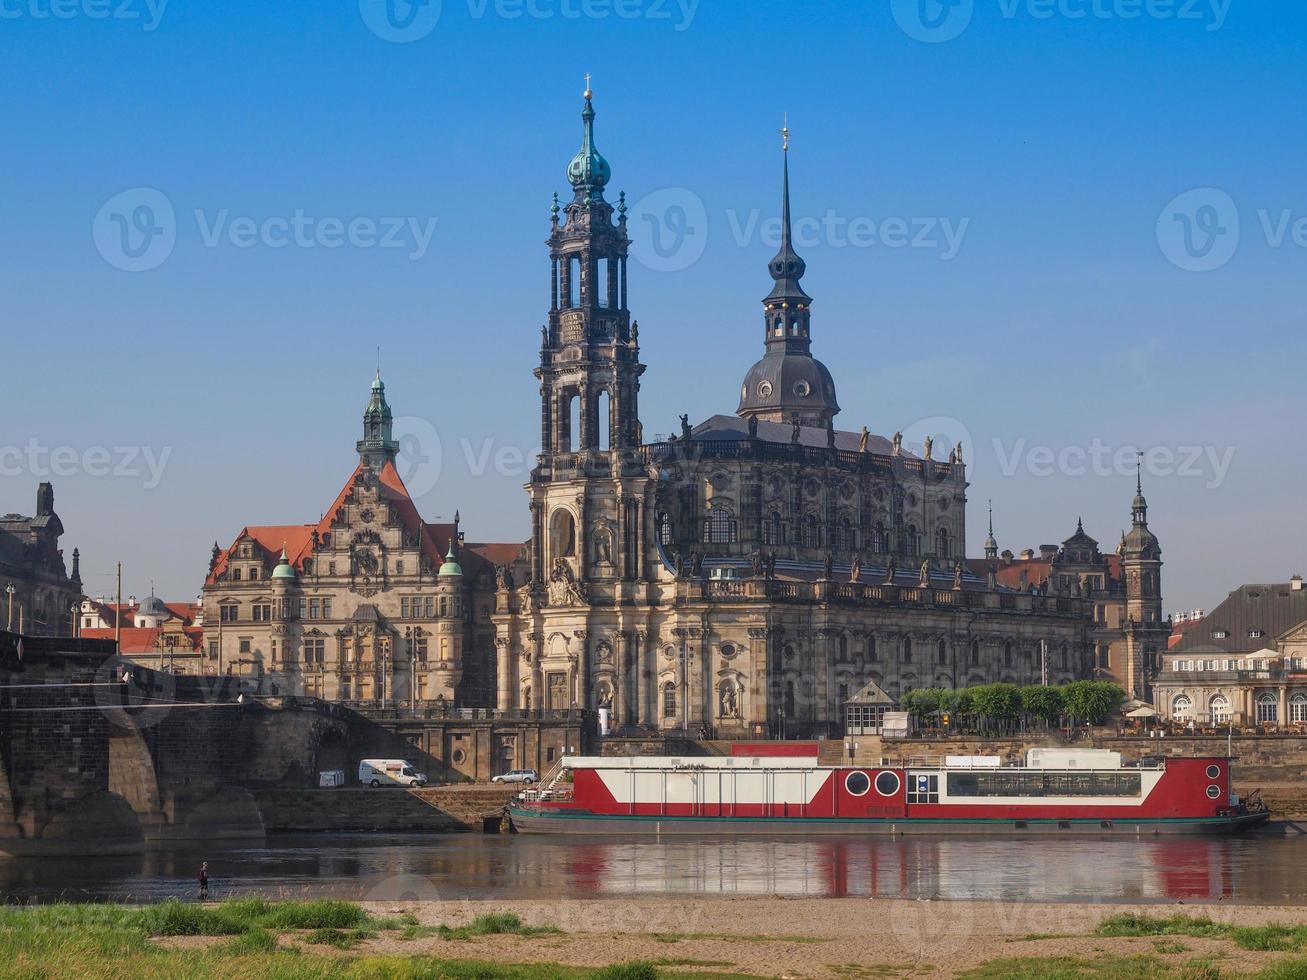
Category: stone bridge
[100,755]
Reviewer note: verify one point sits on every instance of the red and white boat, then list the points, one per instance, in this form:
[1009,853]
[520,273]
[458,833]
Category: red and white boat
[1057,791]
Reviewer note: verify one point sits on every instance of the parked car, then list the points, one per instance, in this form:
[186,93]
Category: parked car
[527,776]
[390,772]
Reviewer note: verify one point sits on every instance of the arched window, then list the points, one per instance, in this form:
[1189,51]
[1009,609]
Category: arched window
[911,546]
[789,699]
[1268,708]
[773,531]
[907,649]
[664,529]
[844,535]
[942,548]
[879,539]
[1009,654]
[1064,657]
[1298,708]
[562,538]
[1220,709]
[1181,707]
[843,647]
[603,421]
[941,652]
[669,700]
[871,647]
[719,527]
[811,532]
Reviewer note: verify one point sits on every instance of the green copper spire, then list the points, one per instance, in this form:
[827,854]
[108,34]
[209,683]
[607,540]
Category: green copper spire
[451,567]
[589,172]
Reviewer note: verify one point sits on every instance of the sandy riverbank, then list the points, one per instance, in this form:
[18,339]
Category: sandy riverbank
[835,938]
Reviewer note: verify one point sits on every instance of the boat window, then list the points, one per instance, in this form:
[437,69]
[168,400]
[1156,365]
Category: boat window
[923,787]
[857,783]
[1213,792]
[887,783]
[1038,784]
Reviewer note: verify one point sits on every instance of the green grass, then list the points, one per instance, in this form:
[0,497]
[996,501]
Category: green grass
[1273,938]
[340,938]
[1169,946]
[495,924]
[1102,968]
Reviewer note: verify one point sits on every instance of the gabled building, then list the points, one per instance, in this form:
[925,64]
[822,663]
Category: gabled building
[166,636]
[371,604]
[1245,662]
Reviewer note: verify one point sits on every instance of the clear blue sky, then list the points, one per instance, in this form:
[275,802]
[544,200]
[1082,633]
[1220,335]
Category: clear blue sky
[1052,144]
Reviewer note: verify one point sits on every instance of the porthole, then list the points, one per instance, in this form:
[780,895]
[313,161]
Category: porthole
[1213,792]
[1213,772]
[764,389]
[802,389]
[887,784]
[857,783]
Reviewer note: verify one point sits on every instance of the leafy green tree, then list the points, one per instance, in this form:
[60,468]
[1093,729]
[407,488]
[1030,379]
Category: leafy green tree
[1043,703]
[998,704]
[1092,701]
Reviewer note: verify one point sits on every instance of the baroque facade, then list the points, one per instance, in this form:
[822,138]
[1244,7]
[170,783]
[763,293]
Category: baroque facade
[754,572]
[38,593]
[371,605]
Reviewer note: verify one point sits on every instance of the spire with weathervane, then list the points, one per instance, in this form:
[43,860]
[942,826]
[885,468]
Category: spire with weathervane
[378,446]
[991,543]
[788,384]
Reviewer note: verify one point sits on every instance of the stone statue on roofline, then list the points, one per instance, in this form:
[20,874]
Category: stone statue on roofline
[864,440]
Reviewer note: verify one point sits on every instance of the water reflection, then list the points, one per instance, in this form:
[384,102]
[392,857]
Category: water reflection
[1257,869]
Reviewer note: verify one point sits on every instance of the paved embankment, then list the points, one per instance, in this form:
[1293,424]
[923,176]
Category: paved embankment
[442,809]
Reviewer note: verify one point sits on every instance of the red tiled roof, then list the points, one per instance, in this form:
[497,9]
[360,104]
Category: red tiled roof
[110,611]
[297,539]
[505,553]
[139,641]
[1037,570]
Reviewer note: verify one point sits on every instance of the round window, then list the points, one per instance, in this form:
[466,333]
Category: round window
[1213,792]
[887,784]
[857,783]
[764,389]
[458,756]
[1213,772]
[802,389]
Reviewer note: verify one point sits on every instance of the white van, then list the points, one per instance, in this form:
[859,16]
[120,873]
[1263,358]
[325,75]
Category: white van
[390,772]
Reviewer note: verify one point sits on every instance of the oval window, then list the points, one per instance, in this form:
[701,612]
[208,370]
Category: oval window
[1213,772]
[857,783]
[1213,792]
[458,756]
[887,784]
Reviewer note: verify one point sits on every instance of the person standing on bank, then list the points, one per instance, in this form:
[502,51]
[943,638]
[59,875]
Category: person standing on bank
[204,881]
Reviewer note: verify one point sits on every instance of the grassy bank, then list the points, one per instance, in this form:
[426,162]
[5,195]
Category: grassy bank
[252,938]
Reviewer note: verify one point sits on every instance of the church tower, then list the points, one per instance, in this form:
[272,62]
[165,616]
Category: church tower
[788,384]
[1146,629]
[589,377]
[378,446]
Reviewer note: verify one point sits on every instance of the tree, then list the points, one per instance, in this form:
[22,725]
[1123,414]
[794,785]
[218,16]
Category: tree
[1044,703]
[1092,701]
[998,704]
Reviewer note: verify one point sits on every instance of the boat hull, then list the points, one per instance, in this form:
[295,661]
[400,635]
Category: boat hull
[543,820]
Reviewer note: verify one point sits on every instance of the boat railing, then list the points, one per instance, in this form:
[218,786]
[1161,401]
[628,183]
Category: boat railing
[940,762]
[556,795]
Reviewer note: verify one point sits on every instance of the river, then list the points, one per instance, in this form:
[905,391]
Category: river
[1260,869]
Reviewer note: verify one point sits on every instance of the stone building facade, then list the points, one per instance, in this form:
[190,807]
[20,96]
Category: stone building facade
[1244,664]
[1129,633]
[44,593]
[755,571]
[371,605]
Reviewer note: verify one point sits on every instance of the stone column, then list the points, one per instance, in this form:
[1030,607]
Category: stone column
[639,538]
[537,672]
[1282,718]
[537,545]
[582,539]
[505,696]
[643,672]
[582,694]
[621,663]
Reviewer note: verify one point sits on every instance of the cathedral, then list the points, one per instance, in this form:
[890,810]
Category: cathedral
[755,574]
[760,569]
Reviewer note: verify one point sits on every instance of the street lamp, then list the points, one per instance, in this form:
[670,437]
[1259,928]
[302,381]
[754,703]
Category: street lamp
[75,609]
[11,592]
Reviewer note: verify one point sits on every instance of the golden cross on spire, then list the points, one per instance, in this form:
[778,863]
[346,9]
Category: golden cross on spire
[588,93]
[784,132]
